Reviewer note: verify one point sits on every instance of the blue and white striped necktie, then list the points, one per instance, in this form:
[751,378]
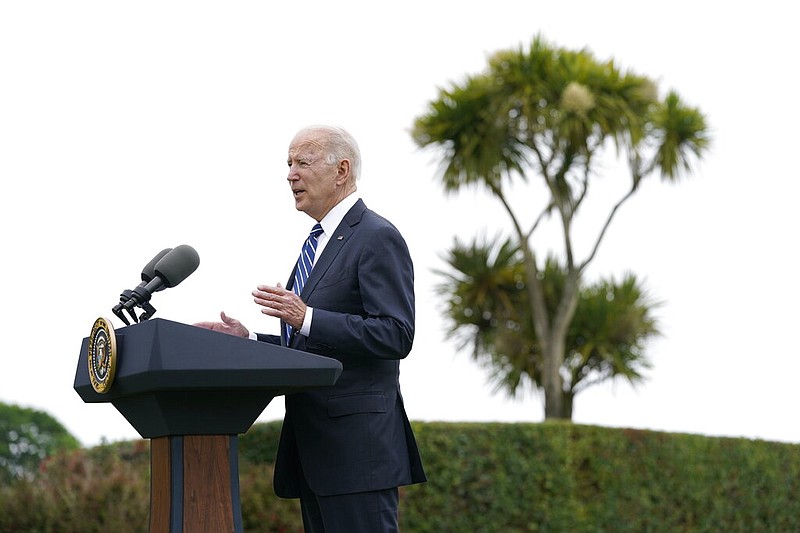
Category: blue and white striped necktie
[303,270]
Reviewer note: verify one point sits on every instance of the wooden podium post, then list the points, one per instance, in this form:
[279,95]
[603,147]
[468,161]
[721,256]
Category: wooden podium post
[194,484]
[192,391]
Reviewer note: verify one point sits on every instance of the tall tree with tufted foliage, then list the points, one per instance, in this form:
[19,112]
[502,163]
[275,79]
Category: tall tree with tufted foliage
[550,114]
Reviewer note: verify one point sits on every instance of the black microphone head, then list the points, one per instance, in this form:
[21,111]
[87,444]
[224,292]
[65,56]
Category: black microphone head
[177,265]
[149,270]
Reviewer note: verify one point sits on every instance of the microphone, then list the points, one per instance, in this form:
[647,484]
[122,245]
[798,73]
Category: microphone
[166,269]
[169,271]
[148,272]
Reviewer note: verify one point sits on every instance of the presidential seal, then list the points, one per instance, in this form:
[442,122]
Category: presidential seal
[102,355]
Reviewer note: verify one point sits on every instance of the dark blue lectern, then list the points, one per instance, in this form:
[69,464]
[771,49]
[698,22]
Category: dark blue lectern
[192,392]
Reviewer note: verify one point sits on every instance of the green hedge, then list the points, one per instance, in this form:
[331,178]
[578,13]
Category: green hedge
[549,477]
[102,489]
[561,477]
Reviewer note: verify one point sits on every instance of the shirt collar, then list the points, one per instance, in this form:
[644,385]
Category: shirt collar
[335,216]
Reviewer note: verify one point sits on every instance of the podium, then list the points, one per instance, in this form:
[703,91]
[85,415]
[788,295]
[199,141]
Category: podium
[192,391]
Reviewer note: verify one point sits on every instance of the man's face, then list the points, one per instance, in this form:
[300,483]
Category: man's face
[313,180]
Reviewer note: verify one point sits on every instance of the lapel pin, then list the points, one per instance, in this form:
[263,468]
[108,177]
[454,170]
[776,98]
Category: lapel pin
[340,237]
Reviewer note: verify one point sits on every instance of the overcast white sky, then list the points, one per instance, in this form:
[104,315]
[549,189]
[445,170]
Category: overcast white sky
[126,128]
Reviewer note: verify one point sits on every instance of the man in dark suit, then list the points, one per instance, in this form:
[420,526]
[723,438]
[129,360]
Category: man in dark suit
[344,450]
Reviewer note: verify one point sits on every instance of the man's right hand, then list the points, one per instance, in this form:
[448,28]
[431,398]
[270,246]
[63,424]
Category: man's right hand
[229,325]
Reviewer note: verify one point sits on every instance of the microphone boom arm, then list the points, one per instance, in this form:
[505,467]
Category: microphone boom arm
[120,308]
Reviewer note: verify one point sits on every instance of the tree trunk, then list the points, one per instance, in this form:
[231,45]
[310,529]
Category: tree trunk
[554,351]
[553,382]
[567,405]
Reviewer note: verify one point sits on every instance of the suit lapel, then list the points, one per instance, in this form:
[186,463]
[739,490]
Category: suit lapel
[335,243]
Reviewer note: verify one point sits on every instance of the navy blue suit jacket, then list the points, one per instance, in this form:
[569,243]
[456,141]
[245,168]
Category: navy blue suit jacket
[355,435]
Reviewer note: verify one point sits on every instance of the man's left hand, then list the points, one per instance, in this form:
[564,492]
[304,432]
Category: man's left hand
[278,302]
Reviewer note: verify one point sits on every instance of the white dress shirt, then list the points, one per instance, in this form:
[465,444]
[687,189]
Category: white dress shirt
[329,224]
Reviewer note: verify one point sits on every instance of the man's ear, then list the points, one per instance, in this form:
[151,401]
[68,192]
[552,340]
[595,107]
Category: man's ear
[343,171]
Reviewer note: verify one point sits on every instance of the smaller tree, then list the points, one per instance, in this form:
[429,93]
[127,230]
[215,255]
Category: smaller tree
[488,310]
[28,436]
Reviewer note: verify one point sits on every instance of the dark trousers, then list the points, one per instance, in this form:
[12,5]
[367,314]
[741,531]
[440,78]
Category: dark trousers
[362,512]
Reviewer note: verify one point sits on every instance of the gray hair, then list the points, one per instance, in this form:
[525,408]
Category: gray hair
[339,145]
